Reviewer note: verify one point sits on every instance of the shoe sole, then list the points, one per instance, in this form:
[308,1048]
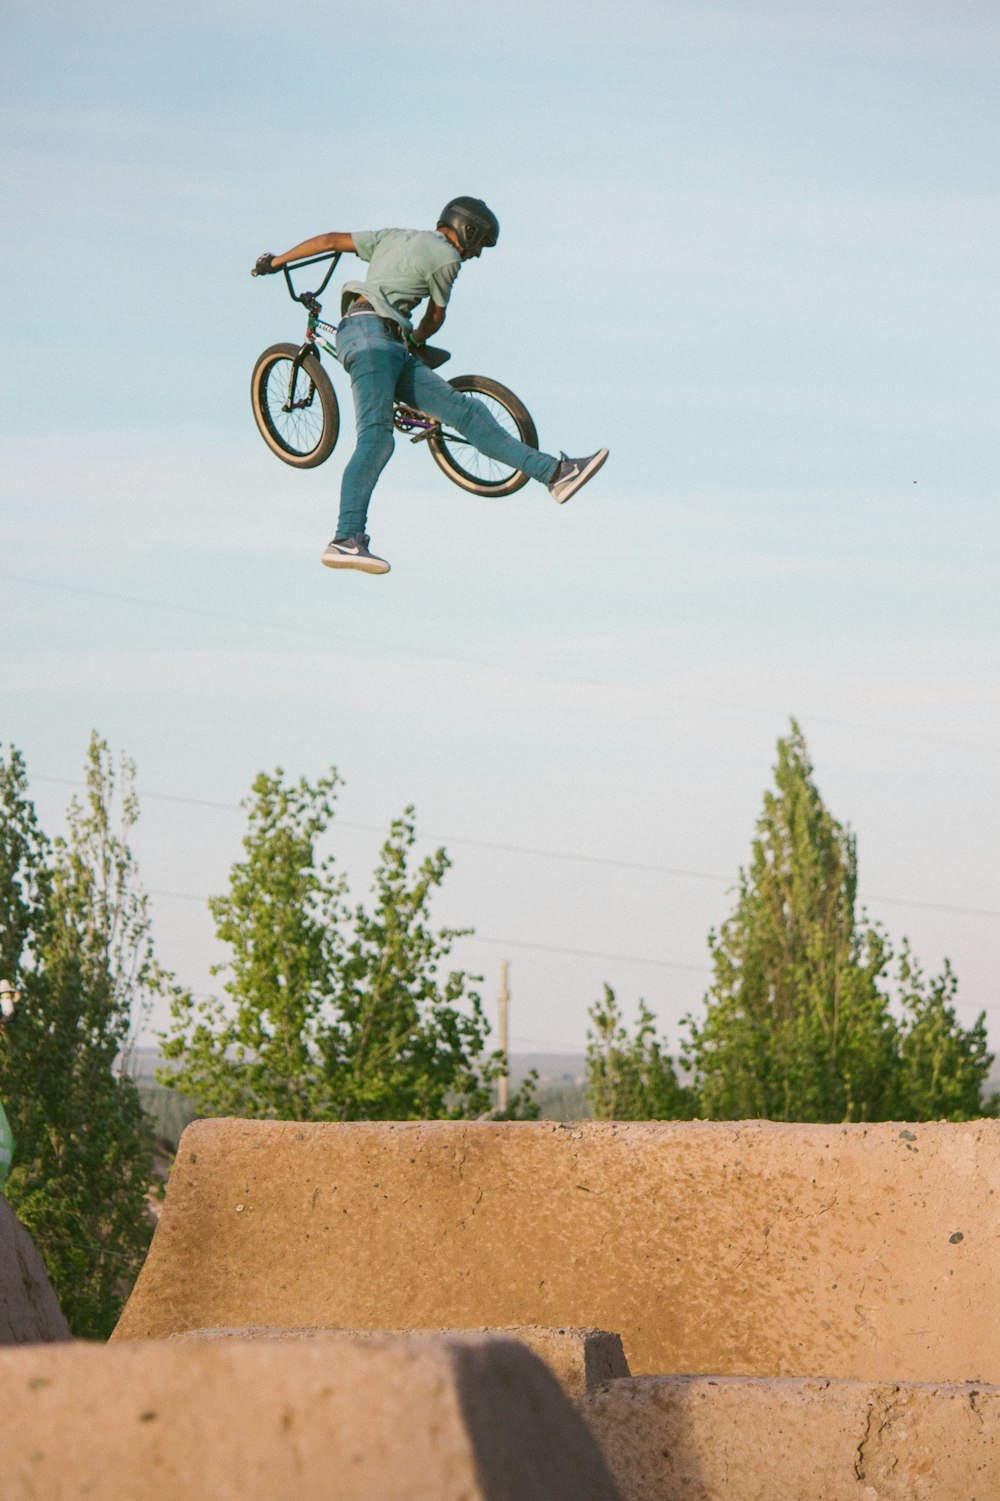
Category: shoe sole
[597,462]
[360,565]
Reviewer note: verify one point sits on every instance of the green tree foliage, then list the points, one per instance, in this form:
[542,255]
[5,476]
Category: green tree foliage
[943,1066]
[796,1026]
[23,874]
[629,1076]
[801,1022]
[75,926]
[331,1012]
[798,1023]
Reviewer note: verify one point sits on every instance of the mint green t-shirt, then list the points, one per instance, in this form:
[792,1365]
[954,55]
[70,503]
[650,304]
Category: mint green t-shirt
[404,267]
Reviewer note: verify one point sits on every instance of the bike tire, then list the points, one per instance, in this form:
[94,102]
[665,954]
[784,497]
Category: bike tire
[462,463]
[307,435]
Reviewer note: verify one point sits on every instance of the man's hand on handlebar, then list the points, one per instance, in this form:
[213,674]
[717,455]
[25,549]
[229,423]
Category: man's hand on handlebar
[318,248]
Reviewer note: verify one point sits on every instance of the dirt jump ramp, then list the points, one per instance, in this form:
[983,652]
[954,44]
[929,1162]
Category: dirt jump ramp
[374,1420]
[853,1252]
[580,1359]
[745,1439]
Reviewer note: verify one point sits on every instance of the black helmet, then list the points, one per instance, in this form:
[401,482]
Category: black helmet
[475,224]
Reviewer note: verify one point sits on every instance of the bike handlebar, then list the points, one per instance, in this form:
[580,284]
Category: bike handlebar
[333,256]
[310,260]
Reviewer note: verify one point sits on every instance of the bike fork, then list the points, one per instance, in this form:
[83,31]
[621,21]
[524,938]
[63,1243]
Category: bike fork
[291,404]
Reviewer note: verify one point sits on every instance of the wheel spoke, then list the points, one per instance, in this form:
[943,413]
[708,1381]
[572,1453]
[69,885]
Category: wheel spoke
[299,430]
[476,466]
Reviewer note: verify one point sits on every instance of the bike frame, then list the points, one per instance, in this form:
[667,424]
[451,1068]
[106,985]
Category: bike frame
[406,418]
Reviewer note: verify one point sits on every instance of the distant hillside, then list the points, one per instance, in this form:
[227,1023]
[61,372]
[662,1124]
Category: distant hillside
[548,1066]
[146,1061]
[560,1094]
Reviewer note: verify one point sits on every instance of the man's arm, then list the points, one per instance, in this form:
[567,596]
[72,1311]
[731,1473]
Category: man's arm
[429,324]
[318,245]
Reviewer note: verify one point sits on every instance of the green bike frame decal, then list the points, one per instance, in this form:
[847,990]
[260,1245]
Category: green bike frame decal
[315,322]
[6,1146]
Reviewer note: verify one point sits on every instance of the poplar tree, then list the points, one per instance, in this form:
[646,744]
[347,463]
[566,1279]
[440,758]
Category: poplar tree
[74,923]
[798,1024]
[331,1010]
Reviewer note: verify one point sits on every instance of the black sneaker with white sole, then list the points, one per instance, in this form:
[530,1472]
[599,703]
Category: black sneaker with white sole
[572,473]
[352,552]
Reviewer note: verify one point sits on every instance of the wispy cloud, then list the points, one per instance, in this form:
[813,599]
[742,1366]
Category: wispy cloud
[906,29]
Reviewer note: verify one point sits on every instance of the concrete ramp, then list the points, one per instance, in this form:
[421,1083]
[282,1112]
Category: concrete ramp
[856,1252]
[728,1439]
[396,1420]
[580,1359]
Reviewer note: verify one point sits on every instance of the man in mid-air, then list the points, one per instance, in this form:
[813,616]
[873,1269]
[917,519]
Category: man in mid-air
[381,352]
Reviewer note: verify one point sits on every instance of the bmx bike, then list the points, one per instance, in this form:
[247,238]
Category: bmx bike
[295,406]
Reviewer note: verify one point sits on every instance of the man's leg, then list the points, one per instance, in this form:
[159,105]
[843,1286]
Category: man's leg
[372,359]
[428,392]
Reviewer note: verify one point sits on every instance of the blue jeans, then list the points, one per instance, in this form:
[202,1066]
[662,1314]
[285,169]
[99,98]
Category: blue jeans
[382,370]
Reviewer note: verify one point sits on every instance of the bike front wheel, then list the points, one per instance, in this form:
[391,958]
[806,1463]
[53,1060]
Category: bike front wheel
[294,406]
[465,465]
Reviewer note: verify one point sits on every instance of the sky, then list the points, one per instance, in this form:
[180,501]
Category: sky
[751,247]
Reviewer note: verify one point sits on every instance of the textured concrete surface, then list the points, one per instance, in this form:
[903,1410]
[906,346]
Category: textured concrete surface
[29,1311]
[580,1359]
[727,1439]
[739,1249]
[396,1420]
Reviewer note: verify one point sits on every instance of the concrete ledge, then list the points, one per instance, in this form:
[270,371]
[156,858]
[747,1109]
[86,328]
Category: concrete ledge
[400,1420]
[29,1310]
[580,1359]
[855,1252]
[726,1439]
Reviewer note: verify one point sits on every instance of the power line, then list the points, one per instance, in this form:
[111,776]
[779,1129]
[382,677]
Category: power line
[549,948]
[728,705]
[311,633]
[200,611]
[483,844]
[573,857]
[510,943]
[546,1043]
[570,856]
[154,797]
[902,901]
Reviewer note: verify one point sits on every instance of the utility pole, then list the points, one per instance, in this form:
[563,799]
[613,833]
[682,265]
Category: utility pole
[502,1082]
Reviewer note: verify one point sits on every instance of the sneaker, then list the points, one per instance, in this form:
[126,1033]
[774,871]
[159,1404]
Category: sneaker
[352,552]
[572,473]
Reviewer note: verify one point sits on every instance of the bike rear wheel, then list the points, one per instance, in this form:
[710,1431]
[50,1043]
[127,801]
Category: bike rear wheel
[299,425]
[465,465]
